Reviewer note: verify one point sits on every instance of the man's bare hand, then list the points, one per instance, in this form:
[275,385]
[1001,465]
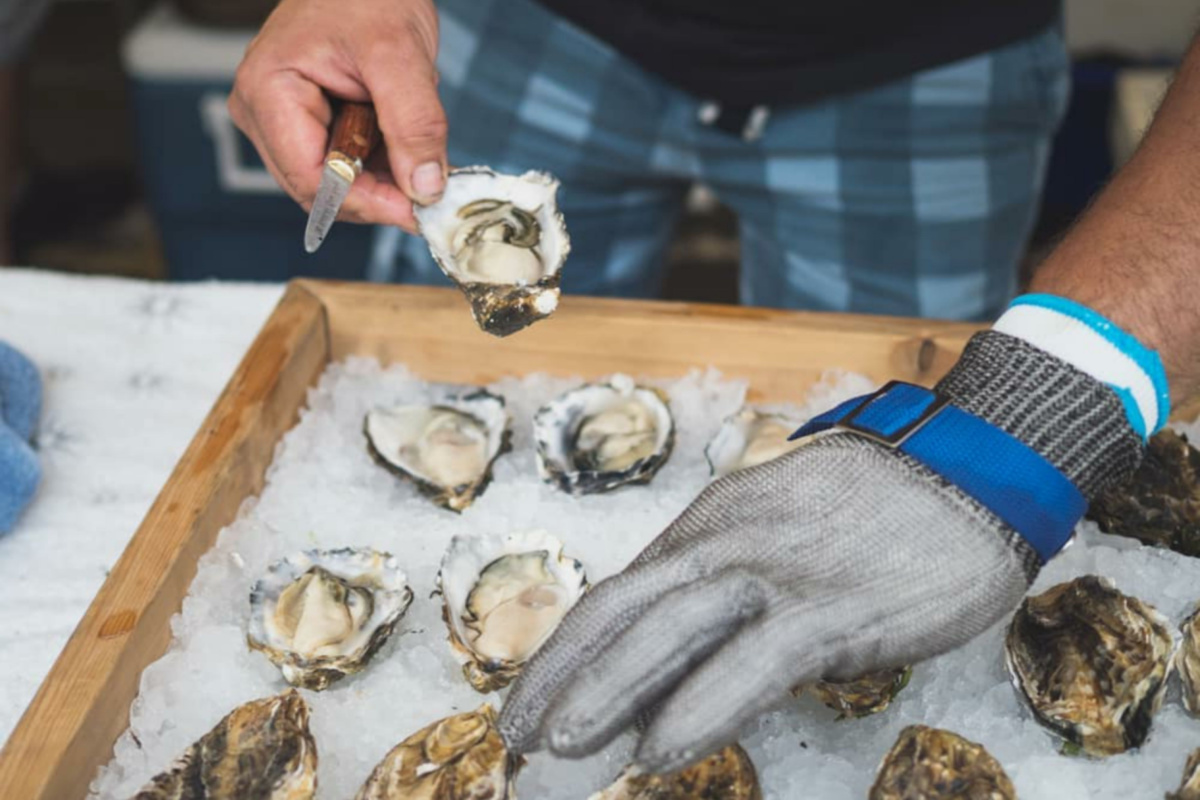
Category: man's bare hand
[382,51]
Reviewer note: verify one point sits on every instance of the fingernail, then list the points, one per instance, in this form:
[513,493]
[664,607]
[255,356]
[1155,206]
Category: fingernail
[428,182]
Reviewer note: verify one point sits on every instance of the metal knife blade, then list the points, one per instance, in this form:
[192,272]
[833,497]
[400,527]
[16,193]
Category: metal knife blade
[354,135]
[336,180]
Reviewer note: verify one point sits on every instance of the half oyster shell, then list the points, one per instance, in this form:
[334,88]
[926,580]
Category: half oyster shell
[728,774]
[502,240]
[1091,662]
[321,615]
[1187,662]
[604,435]
[502,598]
[748,438]
[447,450]
[457,758]
[1189,786]
[865,695]
[934,764]
[261,750]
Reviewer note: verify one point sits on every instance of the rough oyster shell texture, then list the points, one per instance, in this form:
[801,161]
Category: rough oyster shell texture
[447,450]
[865,695]
[1187,662]
[748,438]
[601,436]
[933,764]
[321,615]
[1189,785]
[457,758]
[261,750]
[1160,504]
[728,774]
[1091,663]
[502,597]
[503,242]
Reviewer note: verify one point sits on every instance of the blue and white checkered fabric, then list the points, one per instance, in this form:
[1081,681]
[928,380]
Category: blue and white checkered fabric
[914,198]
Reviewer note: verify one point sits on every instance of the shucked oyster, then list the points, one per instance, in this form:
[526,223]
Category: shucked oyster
[934,764]
[1187,662]
[502,239]
[502,598]
[601,436]
[1092,663]
[749,438]
[261,750]
[447,450]
[725,775]
[322,614]
[1189,787]
[865,695]
[457,758]
[1160,504]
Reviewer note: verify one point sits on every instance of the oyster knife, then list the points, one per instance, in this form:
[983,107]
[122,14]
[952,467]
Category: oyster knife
[355,134]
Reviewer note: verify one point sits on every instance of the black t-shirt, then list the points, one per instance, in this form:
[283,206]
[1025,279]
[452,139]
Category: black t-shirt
[772,52]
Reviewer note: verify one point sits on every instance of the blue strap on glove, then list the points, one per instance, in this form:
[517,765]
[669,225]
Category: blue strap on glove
[20,406]
[996,469]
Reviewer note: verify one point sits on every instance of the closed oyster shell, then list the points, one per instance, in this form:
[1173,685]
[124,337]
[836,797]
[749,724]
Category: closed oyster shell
[865,695]
[321,615]
[503,242]
[1189,786]
[933,764]
[748,438]
[447,450]
[1091,663]
[457,758]
[502,598]
[601,436]
[728,774]
[1187,662]
[261,750]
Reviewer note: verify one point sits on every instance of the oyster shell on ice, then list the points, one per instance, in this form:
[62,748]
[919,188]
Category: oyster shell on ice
[447,450]
[865,695]
[1091,663]
[1189,786]
[502,598]
[1187,662]
[321,615]
[604,435]
[457,758]
[502,240]
[728,774]
[261,750]
[934,764]
[748,438]
[1160,504]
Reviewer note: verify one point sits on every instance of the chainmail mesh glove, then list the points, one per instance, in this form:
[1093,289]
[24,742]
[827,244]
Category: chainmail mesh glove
[841,557]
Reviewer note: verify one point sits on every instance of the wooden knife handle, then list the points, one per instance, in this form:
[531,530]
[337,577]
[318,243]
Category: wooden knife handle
[355,131]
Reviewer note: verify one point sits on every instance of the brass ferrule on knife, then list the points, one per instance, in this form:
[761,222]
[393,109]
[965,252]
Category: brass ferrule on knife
[345,166]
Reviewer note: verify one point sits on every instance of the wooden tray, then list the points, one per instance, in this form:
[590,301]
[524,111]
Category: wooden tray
[83,705]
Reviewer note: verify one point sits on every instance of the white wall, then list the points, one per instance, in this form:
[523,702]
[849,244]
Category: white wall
[1142,28]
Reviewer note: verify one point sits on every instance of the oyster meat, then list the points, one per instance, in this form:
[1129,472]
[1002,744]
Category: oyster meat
[601,436]
[865,695]
[457,758]
[502,240]
[321,615]
[502,598]
[728,774]
[1160,504]
[1187,662]
[1091,662]
[934,764]
[447,450]
[748,438]
[1189,786]
[261,750]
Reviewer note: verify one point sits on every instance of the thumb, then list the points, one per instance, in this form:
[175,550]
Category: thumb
[402,81]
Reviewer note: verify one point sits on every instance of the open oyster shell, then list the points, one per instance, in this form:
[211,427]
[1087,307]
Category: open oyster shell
[603,435]
[502,597]
[447,449]
[1160,504]
[748,438]
[261,750]
[502,240]
[1091,662]
[1189,786]
[457,758]
[865,695]
[728,774]
[933,764]
[1187,662]
[321,615]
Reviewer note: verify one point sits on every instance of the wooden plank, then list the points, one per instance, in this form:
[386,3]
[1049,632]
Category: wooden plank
[780,353]
[83,705]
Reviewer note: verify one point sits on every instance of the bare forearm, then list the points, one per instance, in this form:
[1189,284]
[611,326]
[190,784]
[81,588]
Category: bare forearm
[1135,255]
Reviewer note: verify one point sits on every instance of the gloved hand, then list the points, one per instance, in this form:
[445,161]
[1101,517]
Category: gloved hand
[843,556]
[20,405]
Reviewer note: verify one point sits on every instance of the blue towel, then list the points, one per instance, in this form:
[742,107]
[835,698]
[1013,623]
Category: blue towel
[20,406]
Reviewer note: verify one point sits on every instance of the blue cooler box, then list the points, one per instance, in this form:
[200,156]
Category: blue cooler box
[220,213]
